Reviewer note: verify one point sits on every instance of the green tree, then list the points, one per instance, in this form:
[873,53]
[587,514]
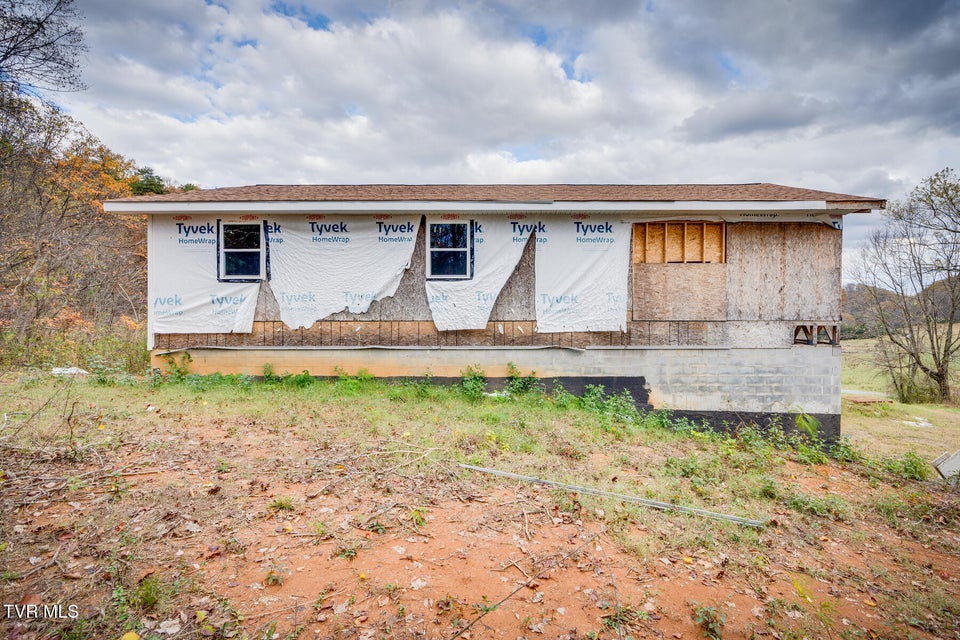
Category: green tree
[147,182]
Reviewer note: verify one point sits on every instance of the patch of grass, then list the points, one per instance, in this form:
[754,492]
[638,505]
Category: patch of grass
[152,594]
[281,503]
[347,549]
[899,508]
[623,618]
[518,384]
[418,517]
[828,506]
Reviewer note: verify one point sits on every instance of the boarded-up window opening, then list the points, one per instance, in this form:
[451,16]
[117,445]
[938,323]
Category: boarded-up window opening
[679,242]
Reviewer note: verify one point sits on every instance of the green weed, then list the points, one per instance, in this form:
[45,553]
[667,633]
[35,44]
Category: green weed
[473,383]
[909,466]
[822,507]
[711,619]
[281,503]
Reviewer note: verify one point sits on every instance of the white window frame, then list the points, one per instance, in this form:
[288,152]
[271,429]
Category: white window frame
[468,250]
[222,252]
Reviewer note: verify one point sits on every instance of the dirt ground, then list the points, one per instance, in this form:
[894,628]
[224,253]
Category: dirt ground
[214,528]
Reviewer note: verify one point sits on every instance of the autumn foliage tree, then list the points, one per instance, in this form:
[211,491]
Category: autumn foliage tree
[66,265]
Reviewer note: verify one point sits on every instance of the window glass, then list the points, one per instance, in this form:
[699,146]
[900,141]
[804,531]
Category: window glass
[448,263]
[241,263]
[242,251]
[241,236]
[449,236]
[450,251]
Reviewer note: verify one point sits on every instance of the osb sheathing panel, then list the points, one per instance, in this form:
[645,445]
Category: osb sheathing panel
[783,271]
[516,300]
[681,292]
[267,307]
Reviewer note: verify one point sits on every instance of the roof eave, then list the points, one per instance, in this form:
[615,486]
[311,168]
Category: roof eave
[490,207]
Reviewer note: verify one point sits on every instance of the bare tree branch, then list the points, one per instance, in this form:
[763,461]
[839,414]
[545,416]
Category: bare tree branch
[40,46]
[910,267]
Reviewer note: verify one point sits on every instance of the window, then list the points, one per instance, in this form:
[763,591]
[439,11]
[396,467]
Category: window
[450,250]
[242,252]
[678,242]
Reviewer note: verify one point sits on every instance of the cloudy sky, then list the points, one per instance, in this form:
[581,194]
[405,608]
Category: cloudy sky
[856,96]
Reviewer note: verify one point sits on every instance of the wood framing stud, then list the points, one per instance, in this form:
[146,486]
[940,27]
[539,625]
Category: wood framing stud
[817,334]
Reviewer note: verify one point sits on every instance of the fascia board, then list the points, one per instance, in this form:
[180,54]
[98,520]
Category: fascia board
[491,207]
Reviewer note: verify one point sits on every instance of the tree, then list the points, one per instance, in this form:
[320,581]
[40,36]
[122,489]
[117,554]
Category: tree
[40,46]
[911,267]
[148,182]
[65,262]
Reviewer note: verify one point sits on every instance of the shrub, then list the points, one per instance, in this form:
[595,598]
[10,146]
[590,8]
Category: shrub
[474,383]
[909,466]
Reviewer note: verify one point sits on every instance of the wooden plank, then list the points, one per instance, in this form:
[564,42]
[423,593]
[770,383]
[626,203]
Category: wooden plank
[656,242]
[674,242]
[639,243]
[713,242]
[693,242]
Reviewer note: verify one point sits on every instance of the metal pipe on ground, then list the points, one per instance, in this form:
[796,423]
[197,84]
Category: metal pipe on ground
[653,504]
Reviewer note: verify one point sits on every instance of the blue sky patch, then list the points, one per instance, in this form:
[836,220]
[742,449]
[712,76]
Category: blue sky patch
[313,19]
[729,67]
[524,152]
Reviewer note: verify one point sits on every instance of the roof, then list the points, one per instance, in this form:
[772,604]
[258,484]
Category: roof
[753,192]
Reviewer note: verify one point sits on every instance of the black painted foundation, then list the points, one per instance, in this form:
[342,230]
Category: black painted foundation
[729,421]
[725,421]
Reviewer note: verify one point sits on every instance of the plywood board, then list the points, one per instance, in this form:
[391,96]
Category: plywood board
[674,242]
[679,292]
[713,241]
[693,243]
[656,243]
[783,271]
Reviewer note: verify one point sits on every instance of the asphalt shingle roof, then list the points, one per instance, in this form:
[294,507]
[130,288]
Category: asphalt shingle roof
[761,191]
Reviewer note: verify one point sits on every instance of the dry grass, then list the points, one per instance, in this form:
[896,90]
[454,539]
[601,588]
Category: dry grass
[232,508]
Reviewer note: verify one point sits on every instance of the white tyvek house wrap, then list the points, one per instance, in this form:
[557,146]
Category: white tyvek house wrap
[581,272]
[184,294]
[466,304]
[322,264]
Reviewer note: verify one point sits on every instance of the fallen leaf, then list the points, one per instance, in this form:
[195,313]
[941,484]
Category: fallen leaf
[870,602]
[169,627]
[417,583]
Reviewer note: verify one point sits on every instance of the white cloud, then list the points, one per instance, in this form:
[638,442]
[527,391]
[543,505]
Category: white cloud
[854,98]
